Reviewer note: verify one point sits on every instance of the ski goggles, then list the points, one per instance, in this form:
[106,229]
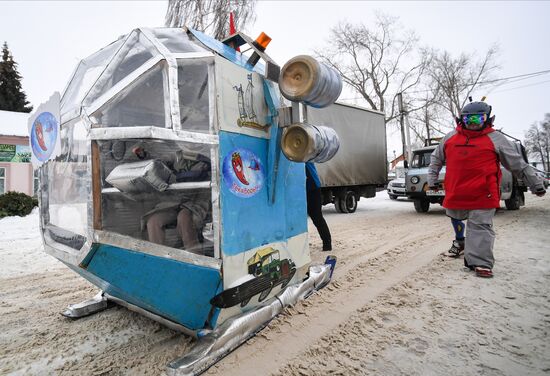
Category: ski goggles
[474,119]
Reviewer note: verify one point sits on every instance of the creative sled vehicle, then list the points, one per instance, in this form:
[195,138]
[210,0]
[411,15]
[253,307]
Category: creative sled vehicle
[164,182]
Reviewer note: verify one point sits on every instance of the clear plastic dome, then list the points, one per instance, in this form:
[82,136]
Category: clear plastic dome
[150,77]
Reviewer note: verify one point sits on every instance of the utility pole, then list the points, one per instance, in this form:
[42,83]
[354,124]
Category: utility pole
[407,153]
[402,121]
[427,126]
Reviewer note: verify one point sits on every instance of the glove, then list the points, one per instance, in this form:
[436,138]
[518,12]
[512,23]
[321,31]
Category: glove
[435,187]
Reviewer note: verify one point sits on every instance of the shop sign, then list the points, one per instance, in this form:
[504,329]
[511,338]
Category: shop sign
[15,153]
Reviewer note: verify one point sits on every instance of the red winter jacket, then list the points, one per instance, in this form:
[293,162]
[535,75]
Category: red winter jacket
[472,178]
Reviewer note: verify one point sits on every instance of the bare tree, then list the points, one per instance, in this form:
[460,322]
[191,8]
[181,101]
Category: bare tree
[427,123]
[210,16]
[376,62]
[456,79]
[537,141]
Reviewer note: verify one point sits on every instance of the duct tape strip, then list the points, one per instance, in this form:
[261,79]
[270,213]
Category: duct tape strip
[116,133]
[172,112]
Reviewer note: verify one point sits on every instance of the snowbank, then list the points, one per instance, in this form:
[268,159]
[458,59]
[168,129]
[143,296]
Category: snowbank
[21,250]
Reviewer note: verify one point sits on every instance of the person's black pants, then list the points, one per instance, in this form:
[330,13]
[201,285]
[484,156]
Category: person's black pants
[316,215]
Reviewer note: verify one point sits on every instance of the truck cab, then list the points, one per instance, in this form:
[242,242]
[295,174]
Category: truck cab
[416,182]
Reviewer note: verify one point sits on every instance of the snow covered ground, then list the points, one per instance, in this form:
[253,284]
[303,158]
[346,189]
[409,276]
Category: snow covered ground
[395,306]
[21,248]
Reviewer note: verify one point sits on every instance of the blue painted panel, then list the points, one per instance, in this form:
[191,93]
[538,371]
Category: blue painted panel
[178,291]
[250,222]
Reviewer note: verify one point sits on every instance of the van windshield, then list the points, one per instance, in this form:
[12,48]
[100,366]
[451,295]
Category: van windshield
[421,159]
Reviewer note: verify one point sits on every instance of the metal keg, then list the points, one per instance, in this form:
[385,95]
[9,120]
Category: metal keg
[309,143]
[304,79]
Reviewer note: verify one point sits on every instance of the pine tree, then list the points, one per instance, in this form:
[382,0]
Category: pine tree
[12,97]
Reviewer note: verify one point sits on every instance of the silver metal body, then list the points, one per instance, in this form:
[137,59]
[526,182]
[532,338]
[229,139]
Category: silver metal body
[138,115]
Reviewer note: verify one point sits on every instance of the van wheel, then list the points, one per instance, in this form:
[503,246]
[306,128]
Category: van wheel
[421,206]
[350,202]
[393,197]
[515,200]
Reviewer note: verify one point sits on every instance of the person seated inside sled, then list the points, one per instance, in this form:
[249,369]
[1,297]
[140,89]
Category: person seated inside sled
[188,211]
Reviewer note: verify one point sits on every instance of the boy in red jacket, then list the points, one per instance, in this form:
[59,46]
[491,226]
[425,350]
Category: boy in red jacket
[473,153]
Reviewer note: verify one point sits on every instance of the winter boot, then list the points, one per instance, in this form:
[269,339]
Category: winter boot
[483,272]
[456,250]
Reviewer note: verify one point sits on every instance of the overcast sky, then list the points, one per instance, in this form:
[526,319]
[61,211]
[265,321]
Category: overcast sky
[48,39]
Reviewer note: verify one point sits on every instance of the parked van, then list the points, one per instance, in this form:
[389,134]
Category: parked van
[511,189]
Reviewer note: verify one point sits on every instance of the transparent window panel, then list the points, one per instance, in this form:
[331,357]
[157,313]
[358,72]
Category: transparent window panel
[67,188]
[68,192]
[176,40]
[134,53]
[139,104]
[86,74]
[193,94]
[158,191]
[74,142]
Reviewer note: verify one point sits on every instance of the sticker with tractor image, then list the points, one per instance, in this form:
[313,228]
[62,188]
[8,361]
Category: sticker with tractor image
[266,270]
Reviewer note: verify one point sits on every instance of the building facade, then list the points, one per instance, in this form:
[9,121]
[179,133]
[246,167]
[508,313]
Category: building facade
[16,172]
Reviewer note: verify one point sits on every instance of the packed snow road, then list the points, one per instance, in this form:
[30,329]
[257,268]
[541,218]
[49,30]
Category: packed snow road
[394,307]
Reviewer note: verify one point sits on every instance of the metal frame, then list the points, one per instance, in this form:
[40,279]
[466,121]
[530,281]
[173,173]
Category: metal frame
[144,246]
[152,132]
[171,81]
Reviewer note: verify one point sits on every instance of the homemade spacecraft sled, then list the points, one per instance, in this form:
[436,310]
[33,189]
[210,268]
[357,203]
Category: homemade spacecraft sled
[162,182]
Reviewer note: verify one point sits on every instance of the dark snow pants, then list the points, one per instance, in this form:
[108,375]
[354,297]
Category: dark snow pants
[314,211]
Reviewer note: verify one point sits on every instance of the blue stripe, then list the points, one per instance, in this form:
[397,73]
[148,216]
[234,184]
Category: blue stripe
[175,290]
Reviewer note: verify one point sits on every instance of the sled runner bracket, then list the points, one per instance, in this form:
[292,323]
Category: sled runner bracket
[88,307]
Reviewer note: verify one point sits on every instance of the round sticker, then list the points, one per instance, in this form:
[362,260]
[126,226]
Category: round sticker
[243,173]
[44,135]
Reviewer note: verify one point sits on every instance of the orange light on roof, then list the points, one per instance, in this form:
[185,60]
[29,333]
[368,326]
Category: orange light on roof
[263,40]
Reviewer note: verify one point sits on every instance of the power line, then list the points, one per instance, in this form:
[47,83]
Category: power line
[510,79]
[523,86]
[517,78]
